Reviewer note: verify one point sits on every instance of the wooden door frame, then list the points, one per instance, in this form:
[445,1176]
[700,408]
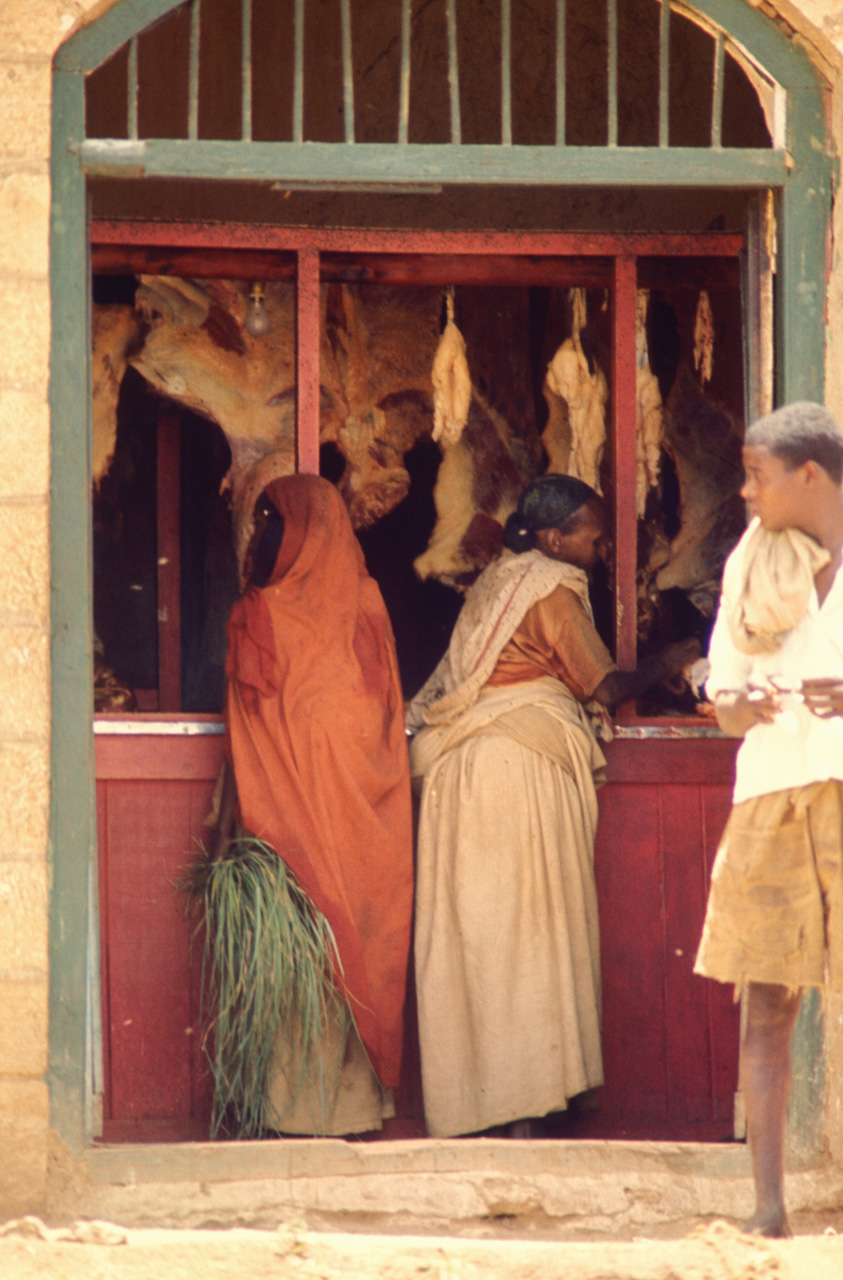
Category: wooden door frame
[800,177]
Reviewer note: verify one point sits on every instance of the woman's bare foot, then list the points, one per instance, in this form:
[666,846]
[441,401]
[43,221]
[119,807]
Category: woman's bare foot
[771,1223]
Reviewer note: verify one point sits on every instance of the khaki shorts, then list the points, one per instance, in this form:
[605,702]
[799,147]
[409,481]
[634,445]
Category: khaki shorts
[775,909]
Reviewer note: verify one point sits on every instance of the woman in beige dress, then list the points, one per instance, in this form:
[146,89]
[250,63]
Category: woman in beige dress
[506,741]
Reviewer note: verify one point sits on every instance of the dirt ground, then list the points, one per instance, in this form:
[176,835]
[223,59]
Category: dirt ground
[102,1251]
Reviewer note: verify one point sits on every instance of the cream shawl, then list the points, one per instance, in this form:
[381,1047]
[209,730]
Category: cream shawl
[494,609]
[767,583]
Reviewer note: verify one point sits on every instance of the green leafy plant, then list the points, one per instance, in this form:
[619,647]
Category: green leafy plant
[268,965]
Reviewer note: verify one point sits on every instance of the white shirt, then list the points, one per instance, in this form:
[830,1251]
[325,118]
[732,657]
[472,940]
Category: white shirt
[798,748]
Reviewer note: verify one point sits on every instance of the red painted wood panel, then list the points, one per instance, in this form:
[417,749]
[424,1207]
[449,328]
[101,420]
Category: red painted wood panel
[628,871]
[156,1074]
[670,1038]
[723,1012]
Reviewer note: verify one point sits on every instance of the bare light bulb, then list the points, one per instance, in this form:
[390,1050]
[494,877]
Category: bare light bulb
[257,322]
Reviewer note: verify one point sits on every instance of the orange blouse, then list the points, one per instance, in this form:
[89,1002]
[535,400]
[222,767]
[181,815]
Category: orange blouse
[556,638]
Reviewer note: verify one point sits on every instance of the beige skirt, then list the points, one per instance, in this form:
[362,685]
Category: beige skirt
[775,909]
[507,945]
[340,1092]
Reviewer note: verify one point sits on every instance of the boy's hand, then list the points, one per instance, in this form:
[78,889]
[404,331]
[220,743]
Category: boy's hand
[824,697]
[738,711]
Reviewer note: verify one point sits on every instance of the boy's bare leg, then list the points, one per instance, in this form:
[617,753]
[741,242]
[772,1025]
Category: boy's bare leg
[771,1013]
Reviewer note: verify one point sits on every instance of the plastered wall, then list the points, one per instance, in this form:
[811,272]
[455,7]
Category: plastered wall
[30,31]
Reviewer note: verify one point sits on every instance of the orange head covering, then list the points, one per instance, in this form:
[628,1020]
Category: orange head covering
[316,736]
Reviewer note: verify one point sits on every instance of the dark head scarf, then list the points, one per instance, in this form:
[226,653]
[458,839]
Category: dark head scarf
[549,502]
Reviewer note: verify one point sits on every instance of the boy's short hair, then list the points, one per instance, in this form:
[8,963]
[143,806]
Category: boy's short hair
[799,433]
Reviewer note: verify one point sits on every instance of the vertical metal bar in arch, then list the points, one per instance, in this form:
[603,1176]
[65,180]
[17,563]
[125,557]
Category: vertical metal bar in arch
[454,73]
[347,70]
[193,73]
[664,75]
[298,72]
[506,73]
[246,70]
[560,73]
[624,415]
[307,361]
[404,89]
[717,91]
[132,90]
[612,71]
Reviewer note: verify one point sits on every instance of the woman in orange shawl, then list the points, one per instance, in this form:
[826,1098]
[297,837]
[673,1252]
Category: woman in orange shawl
[315,735]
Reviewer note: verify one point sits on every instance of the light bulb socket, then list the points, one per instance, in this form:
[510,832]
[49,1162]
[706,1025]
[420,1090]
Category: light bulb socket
[257,322]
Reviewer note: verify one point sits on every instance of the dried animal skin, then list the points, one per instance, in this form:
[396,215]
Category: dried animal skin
[704,338]
[451,383]
[650,420]
[704,441]
[584,394]
[477,486]
[115,331]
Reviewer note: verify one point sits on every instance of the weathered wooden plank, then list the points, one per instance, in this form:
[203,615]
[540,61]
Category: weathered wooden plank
[245,236]
[381,162]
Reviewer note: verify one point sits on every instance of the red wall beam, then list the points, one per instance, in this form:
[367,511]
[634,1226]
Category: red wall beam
[530,243]
[307,361]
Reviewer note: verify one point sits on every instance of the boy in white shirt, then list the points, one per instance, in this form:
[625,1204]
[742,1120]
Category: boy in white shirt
[774,922]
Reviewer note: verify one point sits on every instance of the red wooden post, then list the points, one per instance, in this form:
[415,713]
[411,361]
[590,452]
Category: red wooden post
[307,361]
[623,444]
[169,559]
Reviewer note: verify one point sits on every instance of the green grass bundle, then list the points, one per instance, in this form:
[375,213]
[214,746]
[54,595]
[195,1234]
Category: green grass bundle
[268,965]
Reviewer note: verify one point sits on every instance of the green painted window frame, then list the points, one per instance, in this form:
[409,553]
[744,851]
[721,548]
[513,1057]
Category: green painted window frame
[801,178]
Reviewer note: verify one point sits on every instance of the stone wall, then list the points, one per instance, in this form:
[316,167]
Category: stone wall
[30,31]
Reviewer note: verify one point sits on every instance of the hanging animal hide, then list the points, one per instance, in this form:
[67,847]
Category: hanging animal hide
[650,424]
[576,393]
